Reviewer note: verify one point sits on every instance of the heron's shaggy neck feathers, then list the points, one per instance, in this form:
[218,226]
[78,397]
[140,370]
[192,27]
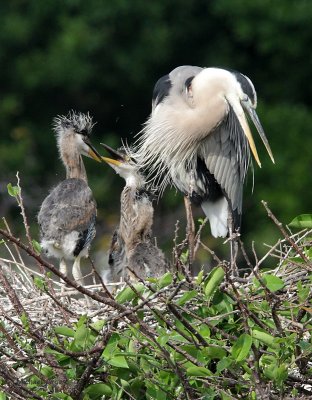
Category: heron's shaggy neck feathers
[169,142]
[70,156]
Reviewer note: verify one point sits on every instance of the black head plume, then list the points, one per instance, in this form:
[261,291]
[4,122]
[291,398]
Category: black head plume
[79,122]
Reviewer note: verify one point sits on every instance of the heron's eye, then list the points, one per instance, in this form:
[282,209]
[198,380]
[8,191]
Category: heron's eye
[83,132]
[188,83]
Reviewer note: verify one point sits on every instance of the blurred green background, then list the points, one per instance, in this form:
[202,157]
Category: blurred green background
[105,56]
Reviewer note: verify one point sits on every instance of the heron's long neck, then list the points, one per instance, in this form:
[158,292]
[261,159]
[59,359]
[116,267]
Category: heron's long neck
[136,215]
[76,169]
[72,159]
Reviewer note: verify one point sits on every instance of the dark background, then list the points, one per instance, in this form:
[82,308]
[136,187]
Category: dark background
[105,56]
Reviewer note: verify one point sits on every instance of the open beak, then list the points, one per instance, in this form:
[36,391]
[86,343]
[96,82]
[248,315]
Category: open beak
[118,159]
[92,152]
[254,117]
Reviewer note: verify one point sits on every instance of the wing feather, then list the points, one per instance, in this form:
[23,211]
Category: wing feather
[69,207]
[226,154]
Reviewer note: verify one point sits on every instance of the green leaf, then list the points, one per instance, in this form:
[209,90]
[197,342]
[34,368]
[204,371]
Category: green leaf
[187,296]
[97,390]
[215,278]
[204,330]
[199,277]
[198,371]
[302,221]
[128,294]
[64,331]
[273,282]
[82,337]
[216,353]
[264,337]
[82,320]
[223,364]
[111,346]
[25,321]
[184,257]
[241,348]
[98,325]
[13,191]
[165,280]
[3,396]
[47,371]
[36,246]
[39,282]
[118,361]
[303,292]
[163,339]
[281,374]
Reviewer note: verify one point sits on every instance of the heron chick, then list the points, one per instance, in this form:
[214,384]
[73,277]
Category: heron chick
[132,248]
[67,215]
[198,138]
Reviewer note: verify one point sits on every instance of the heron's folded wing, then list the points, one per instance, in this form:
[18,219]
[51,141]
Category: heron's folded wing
[70,206]
[226,155]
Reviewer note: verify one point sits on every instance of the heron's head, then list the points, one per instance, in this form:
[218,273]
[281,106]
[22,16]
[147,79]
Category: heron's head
[73,135]
[222,89]
[124,166]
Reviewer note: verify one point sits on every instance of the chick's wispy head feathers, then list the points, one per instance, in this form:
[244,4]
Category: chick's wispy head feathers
[78,122]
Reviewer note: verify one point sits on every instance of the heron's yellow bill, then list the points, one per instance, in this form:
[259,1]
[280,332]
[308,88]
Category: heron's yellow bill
[254,117]
[247,131]
[111,161]
[92,152]
[94,155]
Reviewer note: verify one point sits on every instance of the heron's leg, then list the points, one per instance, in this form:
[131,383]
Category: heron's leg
[233,245]
[190,229]
[63,266]
[63,270]
[77,272]
[79,277]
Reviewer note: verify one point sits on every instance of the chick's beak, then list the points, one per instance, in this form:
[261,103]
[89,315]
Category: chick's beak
[92,152]
[114,153]
[112,162]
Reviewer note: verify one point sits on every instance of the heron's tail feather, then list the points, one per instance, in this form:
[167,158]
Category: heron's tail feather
[217,213]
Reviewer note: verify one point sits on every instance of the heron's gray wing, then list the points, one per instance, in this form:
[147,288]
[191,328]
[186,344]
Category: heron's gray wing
[226,155]
[69,207]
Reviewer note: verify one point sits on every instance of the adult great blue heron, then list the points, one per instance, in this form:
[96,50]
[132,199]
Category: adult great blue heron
[132,248]
[198,138]
[67,215]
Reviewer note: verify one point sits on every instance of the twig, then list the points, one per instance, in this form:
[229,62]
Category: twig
[287,237]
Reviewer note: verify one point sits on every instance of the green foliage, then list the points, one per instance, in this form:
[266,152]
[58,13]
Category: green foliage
[197,341]
[36,246]
[215,278]
[13,191]
[302,221]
